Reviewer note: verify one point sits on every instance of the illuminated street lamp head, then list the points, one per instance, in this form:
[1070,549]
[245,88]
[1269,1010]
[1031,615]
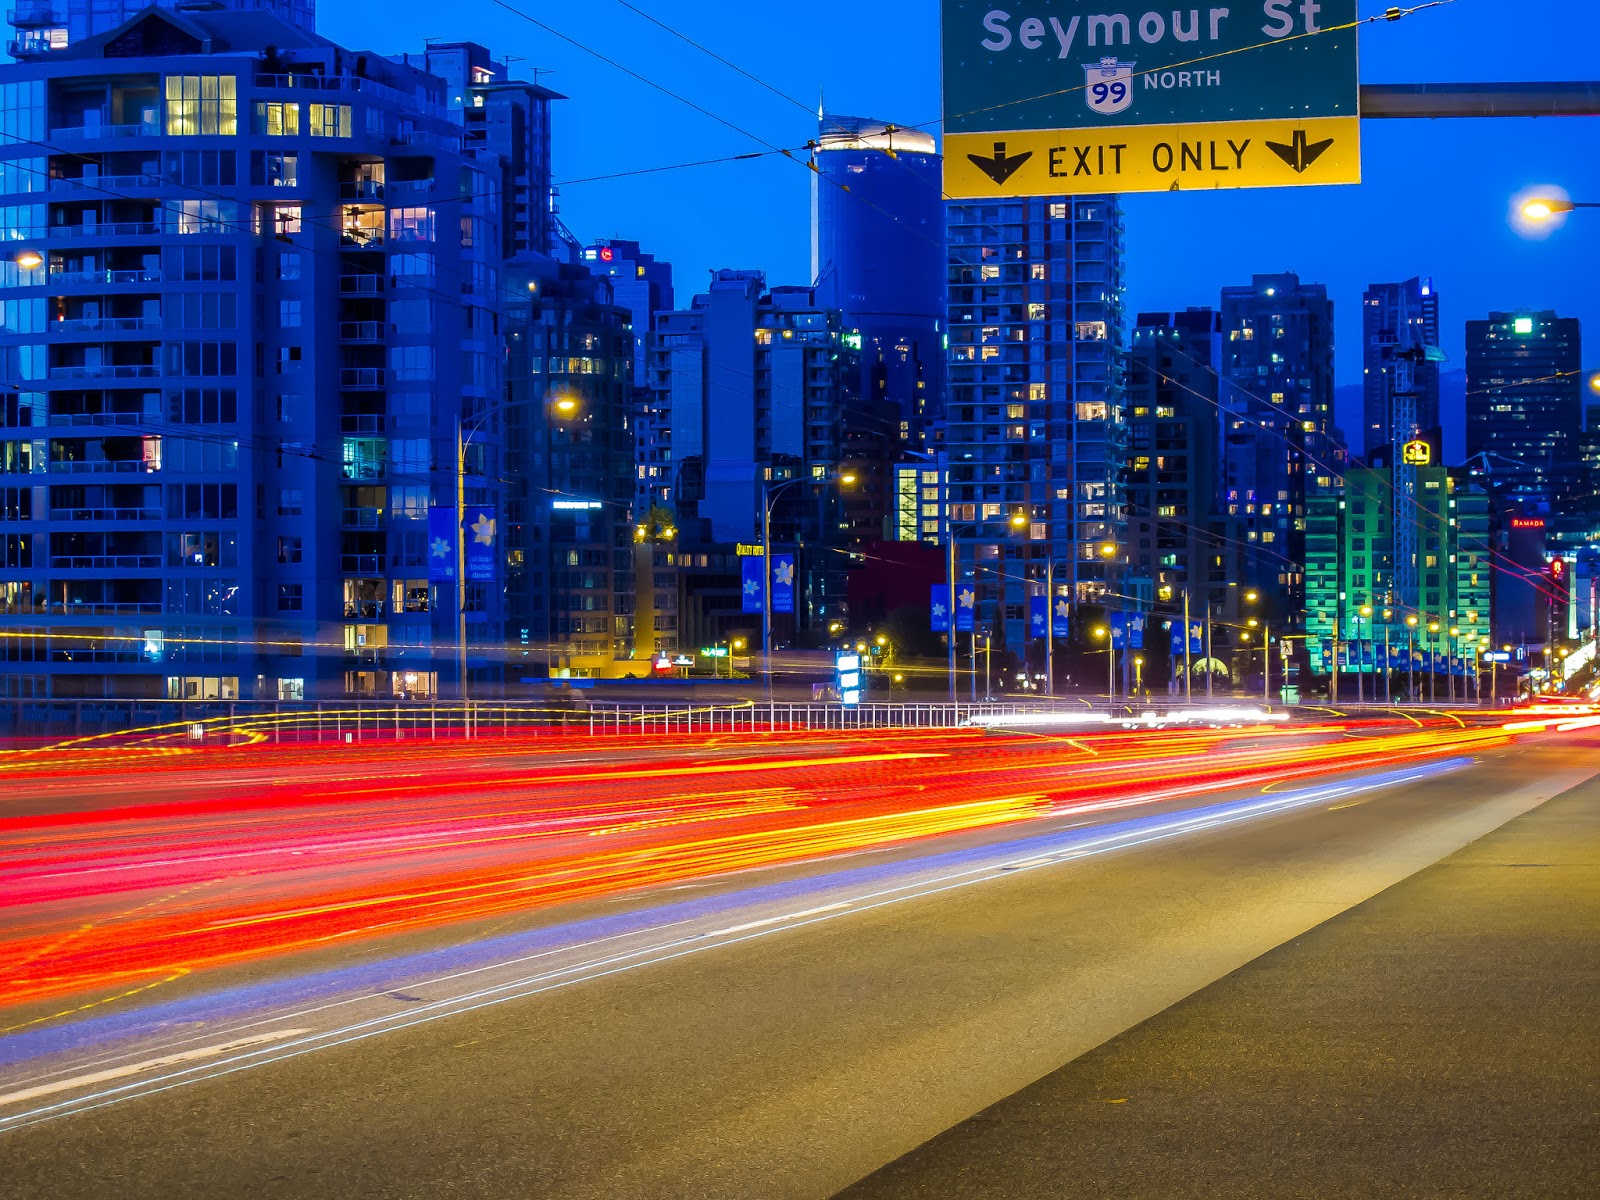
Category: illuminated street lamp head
[1454,631]
[848,479]
[738,643]
[835,626]
[28,260]
[1433,627]
[881,640]
[1099,631]
[1108,549]
[1019,520]
[1387,613]
[1366,610]
[1411,621]
[1252,596]
[565,405]
[1542,208]
[1253,622]
[861,647]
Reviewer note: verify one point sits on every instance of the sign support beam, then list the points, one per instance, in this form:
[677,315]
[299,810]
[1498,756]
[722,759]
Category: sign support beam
[1443,100]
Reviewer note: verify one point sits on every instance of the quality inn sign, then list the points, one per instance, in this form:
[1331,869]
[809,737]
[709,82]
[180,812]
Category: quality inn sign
[1047,97]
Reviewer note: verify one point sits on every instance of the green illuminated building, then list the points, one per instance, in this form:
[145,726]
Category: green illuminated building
[1390,555]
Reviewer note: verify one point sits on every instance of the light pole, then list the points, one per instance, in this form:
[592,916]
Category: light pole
[1100,631]
[566,407]
[1411,659]
[1433,664]
[1388,667]
[769,493]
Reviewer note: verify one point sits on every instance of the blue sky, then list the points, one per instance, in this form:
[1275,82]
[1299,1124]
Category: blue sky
[1435,200]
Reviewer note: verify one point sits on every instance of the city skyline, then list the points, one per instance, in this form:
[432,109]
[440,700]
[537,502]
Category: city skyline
[754,214]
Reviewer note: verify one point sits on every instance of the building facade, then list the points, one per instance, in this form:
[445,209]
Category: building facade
[569,470]
[1278,437]
[1400,363]
[232,277]
[1034,441]
[1174,448]
[750,389]
[1524,406]
[1361,591]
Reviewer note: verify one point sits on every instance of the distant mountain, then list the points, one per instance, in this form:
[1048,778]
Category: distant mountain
[1452,414]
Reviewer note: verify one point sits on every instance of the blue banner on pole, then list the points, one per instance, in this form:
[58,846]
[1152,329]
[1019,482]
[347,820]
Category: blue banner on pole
[966,605]
[1038,615]
[1176,629]
[442,535]
[783,583]
[939,608]
[1119,631]
[750,583]
[1060,625]
[480,537]
[1136,631]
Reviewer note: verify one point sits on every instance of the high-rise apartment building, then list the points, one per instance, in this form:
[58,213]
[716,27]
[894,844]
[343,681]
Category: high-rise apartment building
[1384,570]
[569,469]
[1278,435]
[1400,363]
[1035,431]
[640,284]
[751,387]
[1174,449]
[878,257]
[510,119]
[45,25]
[878,224]
[1524,405]
[250,308]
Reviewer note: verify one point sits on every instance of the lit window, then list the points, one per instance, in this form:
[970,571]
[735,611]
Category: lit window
[328,120]
[275,118]
[202,104]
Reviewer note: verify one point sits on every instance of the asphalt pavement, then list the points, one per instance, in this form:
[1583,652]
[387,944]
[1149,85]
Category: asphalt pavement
[1440,1040]
[794,1064]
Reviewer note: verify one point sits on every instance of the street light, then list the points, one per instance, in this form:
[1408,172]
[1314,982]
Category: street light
[769,493]
[1019,520]
[1542,208]
[29,260]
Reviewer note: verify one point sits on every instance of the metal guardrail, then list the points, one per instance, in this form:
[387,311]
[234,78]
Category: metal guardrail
[231,720]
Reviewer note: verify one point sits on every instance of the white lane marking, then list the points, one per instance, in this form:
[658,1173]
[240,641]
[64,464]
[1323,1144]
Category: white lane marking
[794,916]
[152,1064]
[682,947]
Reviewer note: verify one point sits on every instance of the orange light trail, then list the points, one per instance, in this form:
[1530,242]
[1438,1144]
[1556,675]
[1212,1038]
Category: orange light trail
[123,869]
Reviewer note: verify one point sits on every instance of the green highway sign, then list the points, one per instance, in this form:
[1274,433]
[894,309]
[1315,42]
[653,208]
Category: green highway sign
[1045,97]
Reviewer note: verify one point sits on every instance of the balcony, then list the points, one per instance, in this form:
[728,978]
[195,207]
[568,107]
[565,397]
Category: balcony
[361,564]
[362,284]
[362,378]
[100,184]
[103,325]
[102,278]
[107,371]
[107,229]
[361,237]
[104,466]
[140,419]
[361,518]
[371,424]
[361,189]
[366,608]
[91,609]
[405,189]
[362,331]
[101,562]
[35,16]
[107,514]
[98,132]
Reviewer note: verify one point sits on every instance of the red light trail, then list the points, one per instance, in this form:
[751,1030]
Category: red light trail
[125,868]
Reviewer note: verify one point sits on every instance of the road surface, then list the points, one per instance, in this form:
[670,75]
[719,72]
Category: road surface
[780,1032]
